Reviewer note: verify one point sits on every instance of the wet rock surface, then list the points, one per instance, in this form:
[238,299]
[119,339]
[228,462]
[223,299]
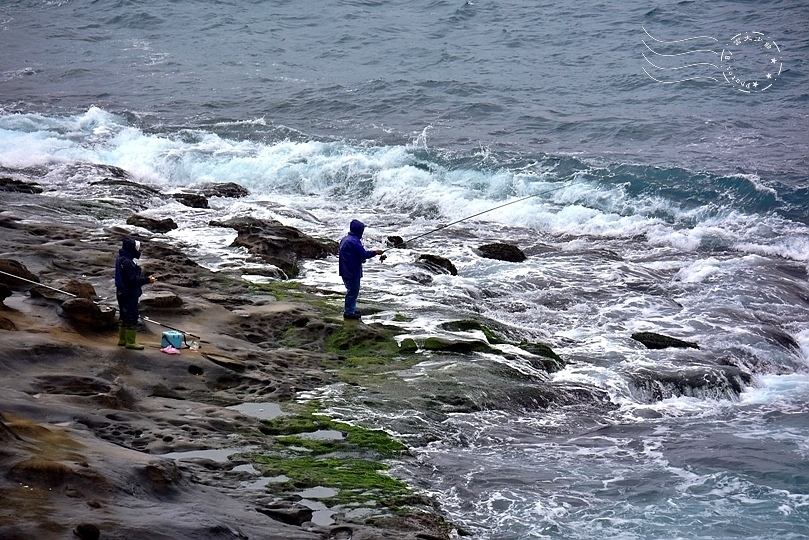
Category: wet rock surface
[21,186]
[277,244]
[712,382]
[88,430]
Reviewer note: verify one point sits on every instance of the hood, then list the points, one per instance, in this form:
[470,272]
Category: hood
[356,227]
[130,248]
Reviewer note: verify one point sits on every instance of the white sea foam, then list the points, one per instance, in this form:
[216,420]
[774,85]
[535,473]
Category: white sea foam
[387,178]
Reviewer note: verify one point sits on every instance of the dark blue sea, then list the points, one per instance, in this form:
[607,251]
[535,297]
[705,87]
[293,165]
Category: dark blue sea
[663,146]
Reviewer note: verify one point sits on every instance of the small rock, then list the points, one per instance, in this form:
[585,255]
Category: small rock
[291,514]
[502,252]
[658,341]
[438,264]
[15,268]
[161,300]
[117,173]
[86,312]
[74,287]
[782,339]
[341,533]
[192,200]
[228,189]
[74,493]
[544,361]
[420,278]
[395,241]
[82,289]
[39,291]
[151,224]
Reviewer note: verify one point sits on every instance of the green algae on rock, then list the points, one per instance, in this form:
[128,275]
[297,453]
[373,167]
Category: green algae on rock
[350,464]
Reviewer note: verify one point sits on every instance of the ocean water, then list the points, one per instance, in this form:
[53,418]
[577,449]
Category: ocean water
[664,149]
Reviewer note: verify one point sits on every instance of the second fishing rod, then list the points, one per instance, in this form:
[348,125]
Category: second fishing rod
[404,243]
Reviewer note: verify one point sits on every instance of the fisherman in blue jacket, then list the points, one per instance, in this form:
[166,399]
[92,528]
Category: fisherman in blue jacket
[352,255]
[128,289]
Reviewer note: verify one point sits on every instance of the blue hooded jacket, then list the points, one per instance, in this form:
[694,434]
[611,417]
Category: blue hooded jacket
[128,277]
[352,252]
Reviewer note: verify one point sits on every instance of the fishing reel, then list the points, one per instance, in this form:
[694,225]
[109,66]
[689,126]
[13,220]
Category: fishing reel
[393,242]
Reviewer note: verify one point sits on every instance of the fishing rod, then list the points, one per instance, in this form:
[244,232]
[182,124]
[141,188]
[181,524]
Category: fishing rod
[96,302]
[403,243]
[147,319]
[40,284]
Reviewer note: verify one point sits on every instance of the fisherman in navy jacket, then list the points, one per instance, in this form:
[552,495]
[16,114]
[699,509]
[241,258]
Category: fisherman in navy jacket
[352,255]
[128,289]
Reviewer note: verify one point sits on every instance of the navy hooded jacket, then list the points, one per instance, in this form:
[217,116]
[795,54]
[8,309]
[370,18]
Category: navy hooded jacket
[128,278]
[352,252]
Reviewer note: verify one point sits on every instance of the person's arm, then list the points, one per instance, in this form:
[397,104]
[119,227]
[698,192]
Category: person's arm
[368,253]
[372,253]
[131,276]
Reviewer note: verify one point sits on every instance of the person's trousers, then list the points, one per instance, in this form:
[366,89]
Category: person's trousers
[352,293]
[128,308]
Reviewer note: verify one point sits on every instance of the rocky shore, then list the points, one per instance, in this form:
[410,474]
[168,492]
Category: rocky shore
[92,435]
[98,441]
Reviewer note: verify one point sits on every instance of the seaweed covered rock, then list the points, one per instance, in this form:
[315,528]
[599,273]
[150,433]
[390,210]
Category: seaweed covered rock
[372,340]
[546,359]
[469,325]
